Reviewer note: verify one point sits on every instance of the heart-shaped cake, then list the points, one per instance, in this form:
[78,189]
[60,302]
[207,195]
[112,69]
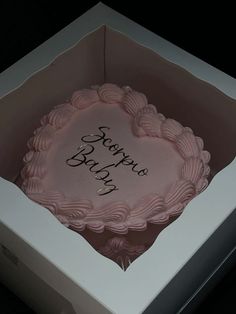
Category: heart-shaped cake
[113,169]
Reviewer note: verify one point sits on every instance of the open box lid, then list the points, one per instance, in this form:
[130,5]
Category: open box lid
[101,279]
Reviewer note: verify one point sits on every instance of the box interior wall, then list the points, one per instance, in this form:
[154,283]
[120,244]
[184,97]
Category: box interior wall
[107,55]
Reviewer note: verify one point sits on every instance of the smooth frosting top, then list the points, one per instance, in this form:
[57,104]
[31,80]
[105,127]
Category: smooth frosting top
[108,159]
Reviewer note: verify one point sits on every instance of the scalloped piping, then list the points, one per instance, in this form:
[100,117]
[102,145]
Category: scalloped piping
[120,250]
[117,216]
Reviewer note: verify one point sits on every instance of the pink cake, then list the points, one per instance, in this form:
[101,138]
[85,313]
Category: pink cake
[113,169]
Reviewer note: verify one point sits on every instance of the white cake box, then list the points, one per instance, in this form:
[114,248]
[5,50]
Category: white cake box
[53,268]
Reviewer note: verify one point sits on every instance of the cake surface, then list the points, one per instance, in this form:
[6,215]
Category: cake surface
[107,160]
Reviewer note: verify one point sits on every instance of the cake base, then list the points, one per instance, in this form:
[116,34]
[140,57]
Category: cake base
[124,249]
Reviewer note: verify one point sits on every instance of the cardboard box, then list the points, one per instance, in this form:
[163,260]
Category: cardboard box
[51,267]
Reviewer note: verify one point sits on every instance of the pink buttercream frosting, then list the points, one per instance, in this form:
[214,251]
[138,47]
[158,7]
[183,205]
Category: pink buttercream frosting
[122,251]
[165,166]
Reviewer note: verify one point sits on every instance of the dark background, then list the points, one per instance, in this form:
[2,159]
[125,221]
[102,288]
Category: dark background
[208,33]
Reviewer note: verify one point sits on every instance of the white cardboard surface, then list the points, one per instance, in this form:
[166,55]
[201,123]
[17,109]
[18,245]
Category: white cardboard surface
[121,292]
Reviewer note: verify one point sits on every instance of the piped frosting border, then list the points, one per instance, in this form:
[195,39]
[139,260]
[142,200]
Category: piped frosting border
[117,216]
